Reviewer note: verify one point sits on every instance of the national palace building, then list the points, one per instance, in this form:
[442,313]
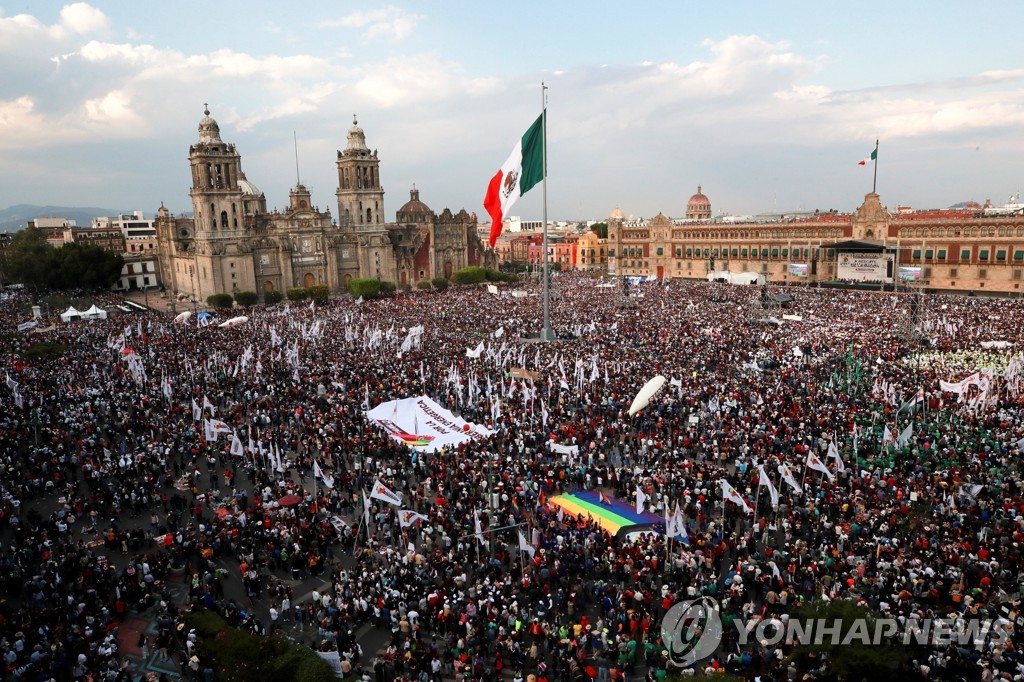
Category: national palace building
[232,243]
[942,250]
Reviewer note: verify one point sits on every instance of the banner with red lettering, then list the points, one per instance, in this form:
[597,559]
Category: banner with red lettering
[424,425]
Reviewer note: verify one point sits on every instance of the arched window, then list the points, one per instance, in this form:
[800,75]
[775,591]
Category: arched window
[369,215]
[223,218]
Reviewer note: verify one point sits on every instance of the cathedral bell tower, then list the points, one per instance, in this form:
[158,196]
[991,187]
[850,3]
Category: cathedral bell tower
[360,196]
[216,195]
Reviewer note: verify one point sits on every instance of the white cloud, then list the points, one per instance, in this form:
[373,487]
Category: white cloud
[82,18]
[389,23]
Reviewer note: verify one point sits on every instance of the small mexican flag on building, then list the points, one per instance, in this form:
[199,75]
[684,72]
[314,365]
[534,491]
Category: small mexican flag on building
[873,157]
[523,169]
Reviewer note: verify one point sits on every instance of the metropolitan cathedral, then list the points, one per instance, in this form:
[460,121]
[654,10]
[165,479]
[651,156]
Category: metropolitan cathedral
[232,243]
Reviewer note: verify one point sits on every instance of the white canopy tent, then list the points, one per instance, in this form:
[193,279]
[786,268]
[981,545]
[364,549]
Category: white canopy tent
[95,313]
[70,315]
[736,277]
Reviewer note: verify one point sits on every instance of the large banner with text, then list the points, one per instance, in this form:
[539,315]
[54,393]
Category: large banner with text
[424,425]
[865,267]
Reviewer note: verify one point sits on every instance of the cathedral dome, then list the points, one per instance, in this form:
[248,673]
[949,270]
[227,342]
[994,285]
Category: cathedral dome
[414,210]
[414,205]
[246,186]
[698,199]
[617,214]
[209,131]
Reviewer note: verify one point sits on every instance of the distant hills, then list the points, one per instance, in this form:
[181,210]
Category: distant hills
[14,218]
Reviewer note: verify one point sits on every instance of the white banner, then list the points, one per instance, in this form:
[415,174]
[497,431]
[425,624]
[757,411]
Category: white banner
[865,267]
[424,425]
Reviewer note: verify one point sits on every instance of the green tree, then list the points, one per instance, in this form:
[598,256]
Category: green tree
[387,288]
[440,283]
[237,655]
[848,655]
[424,284]
[87,266]
[471,274]
[221,301]
[246,298]
[319,293]
[364,287]
[298,294]
[30,260]
[600,229]
[273,296]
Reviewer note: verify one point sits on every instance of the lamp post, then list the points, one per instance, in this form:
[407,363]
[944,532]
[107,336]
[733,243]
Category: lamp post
[192,275]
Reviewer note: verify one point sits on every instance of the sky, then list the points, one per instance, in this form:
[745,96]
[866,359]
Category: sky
[767,106]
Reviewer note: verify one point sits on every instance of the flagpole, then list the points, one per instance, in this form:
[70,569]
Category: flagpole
[545,333]
[874,183]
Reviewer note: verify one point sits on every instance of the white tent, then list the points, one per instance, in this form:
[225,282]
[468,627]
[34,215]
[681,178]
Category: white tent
[736,277]
[70,315]
[95,313]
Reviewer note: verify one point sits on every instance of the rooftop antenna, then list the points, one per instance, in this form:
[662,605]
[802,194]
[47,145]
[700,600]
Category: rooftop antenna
[295,142]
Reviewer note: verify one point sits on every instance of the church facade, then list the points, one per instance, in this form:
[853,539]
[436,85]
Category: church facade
[231,242]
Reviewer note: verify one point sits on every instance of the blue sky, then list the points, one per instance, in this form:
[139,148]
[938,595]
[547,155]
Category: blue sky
[766,105]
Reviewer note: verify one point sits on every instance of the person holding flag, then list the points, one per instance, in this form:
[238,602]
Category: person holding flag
[729,493]
[817,465]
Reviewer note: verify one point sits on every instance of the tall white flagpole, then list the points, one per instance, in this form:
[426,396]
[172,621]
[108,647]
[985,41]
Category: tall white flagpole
[545,333]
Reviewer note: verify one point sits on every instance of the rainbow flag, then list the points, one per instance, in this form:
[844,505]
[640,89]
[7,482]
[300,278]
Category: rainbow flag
[614,516]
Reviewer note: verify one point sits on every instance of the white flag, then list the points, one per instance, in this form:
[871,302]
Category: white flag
[763,480]
[217,426]
[729,493]
[499,332]
[384,494]
[407,517]
[814,463]
[887,436]
[475,352]
[641,500]
[525,546]
[905,437]
[197,413]
[833,452]
[236,446]
[319,473]
[207,405]
[366,509]
[477,528]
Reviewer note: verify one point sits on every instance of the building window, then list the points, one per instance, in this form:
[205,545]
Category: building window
[982,273]
[831,252]
[735,252]
[689,252]
[775,253]
[942,254]
[679,252]
[1016,274]
[928,254]
[660,251]
[952,272]
[611,252]
[917,254]
[743,252]
[1018,255]
[785,253]
[965,254]
[1000,255]
[927,272]
[764,253]
[983,254]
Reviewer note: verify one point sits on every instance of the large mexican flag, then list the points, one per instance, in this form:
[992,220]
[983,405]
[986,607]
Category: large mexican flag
[523,169]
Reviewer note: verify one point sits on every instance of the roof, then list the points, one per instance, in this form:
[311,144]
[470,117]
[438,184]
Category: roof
[862,246]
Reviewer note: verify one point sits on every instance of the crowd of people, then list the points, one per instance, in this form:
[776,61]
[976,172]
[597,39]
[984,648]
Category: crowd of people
[895,455]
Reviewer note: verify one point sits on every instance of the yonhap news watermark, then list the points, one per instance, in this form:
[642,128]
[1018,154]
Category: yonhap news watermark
[692,630]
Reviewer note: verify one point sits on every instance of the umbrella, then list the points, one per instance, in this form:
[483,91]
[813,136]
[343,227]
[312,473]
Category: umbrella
[127,351]
[289,500]
[203,315]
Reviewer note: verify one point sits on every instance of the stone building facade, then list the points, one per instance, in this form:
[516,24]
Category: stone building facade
[953,252]
[232,243]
